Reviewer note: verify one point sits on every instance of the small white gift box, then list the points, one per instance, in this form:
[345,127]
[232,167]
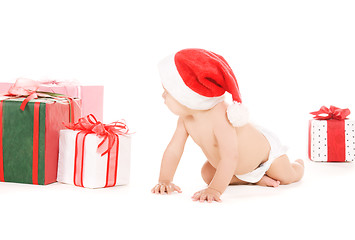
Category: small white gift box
[82,165]
[331,136]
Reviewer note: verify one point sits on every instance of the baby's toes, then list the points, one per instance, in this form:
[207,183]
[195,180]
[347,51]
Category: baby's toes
[300,161]
[271,182]
[275,184]
[268,182]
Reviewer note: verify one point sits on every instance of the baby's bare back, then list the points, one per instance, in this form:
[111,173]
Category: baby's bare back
[252,148]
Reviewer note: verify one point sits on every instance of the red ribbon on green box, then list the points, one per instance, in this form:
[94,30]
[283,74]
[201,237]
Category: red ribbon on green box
[29,133]
[16,143]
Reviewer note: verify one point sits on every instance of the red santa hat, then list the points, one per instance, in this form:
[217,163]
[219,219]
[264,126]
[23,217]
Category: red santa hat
[198,79]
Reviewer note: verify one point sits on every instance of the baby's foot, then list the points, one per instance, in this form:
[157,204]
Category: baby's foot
[268,182]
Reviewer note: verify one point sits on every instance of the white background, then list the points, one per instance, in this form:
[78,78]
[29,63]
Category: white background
[290,58]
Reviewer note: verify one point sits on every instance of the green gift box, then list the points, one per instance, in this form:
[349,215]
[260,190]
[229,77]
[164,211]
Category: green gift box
[29,139]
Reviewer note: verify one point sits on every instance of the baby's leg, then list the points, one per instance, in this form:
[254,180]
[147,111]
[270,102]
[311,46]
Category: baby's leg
[208,172]
[284,171]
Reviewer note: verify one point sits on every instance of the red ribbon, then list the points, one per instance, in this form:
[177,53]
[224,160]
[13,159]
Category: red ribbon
[325,113]
[35,142]
[336,141]
[24,87]
[79,158]
[28,89]
[89,124]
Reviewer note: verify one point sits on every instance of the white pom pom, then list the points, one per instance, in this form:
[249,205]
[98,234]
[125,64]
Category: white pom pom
[237,114]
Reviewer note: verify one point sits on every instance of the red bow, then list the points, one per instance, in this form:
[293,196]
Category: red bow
[325,113]
[28,89]
[107,131]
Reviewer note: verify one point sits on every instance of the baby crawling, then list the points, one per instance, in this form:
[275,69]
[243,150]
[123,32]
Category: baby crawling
[195,82]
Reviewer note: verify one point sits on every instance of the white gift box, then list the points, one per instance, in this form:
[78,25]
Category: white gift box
[94,165]
[318,141]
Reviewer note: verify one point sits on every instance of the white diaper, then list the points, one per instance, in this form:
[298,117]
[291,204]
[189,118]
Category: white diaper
[277,150]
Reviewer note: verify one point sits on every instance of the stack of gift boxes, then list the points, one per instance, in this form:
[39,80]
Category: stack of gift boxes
[52,131]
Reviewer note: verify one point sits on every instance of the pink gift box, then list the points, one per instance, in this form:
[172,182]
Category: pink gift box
[92,96]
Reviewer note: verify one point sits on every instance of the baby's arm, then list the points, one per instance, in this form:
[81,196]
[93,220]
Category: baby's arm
[171,159]
[227,143]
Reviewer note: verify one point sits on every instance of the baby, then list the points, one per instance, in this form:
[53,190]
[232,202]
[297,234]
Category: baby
[195,82]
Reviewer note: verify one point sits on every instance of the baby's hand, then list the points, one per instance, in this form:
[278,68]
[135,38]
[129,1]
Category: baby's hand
[165,187]
[208,195]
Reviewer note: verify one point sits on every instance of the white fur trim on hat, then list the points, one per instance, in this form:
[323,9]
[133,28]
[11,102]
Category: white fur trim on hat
[237,114]
[175,85]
